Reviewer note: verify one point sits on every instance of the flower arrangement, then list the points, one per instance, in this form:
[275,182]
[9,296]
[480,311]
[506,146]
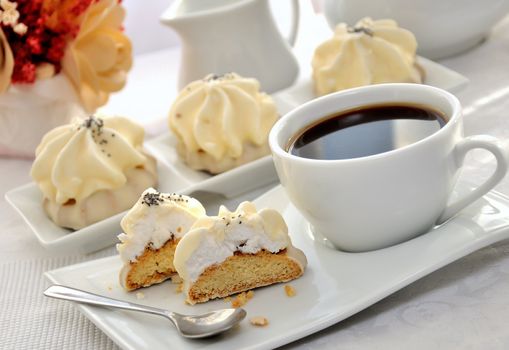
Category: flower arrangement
[81,39]
[59,59]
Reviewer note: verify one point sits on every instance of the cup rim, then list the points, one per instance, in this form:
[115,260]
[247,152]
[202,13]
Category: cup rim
[278,150]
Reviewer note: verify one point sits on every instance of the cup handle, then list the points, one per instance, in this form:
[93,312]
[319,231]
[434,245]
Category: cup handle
[490,144]
[295,22]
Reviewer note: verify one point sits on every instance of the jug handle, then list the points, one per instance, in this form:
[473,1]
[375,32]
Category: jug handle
[295,22]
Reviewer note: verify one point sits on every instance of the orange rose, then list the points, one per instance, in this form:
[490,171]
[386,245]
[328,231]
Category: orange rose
[98,59]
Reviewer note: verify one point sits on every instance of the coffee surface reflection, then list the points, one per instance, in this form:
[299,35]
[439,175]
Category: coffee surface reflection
[366,131]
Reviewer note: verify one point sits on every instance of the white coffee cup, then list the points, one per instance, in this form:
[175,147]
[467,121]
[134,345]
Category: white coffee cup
[376,201]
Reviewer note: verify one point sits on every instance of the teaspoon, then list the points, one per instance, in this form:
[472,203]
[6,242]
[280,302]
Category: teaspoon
[196,326]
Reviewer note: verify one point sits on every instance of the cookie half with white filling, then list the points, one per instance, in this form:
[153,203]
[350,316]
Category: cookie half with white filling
[236,251]
[152,230]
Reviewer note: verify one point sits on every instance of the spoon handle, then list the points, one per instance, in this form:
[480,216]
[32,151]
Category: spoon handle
[67,293]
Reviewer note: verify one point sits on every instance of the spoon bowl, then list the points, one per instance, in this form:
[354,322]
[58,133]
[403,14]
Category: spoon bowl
[189,326]
[208,324]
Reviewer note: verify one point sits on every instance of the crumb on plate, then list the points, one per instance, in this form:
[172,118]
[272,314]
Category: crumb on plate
[259,321]
[290,291]
[179,288]
[140,295]
[241,299]
[176,279]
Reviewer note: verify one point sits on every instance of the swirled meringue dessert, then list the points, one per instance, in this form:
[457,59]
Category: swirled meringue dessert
[371,52]
[221,122]
[236,251]
[92,169]
[152,229]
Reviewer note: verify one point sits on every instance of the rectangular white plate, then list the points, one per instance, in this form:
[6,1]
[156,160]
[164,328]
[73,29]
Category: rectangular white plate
[335,285]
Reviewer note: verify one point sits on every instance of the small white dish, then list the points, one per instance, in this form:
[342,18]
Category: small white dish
[335,286]
[231,183]
[27,199]
[436,75]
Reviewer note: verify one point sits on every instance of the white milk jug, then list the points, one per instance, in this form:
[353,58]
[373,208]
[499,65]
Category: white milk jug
[222,36]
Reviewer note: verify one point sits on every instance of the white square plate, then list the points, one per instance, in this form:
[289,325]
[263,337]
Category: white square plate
[27,201]
[335,285]
[231,183]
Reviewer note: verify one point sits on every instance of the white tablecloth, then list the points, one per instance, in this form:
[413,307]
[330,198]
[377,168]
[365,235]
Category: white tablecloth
[463,305]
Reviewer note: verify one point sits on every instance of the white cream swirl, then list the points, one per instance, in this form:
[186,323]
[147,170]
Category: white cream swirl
[212,240]
[371,52]
[76,160]
[220,114]
[154,219]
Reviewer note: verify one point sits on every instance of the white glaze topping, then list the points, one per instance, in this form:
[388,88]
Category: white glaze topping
[220,114]
[154,219]
[76,160]
[371,52]
[212,240]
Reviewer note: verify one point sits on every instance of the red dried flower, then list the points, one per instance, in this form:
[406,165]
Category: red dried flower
[51,24]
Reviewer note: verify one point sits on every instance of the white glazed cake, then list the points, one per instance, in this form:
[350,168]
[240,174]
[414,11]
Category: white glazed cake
[221,122]
[371,52]
[152,230]
[236,251]
[92,169]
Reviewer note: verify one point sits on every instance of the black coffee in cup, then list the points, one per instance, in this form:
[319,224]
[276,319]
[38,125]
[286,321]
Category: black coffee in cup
[366,131]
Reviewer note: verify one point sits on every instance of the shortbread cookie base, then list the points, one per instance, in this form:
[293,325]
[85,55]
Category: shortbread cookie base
[200,160]
[151,267]
[242,272]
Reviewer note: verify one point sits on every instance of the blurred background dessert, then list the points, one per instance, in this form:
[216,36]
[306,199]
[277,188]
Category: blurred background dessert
[370,52]
[443,28]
